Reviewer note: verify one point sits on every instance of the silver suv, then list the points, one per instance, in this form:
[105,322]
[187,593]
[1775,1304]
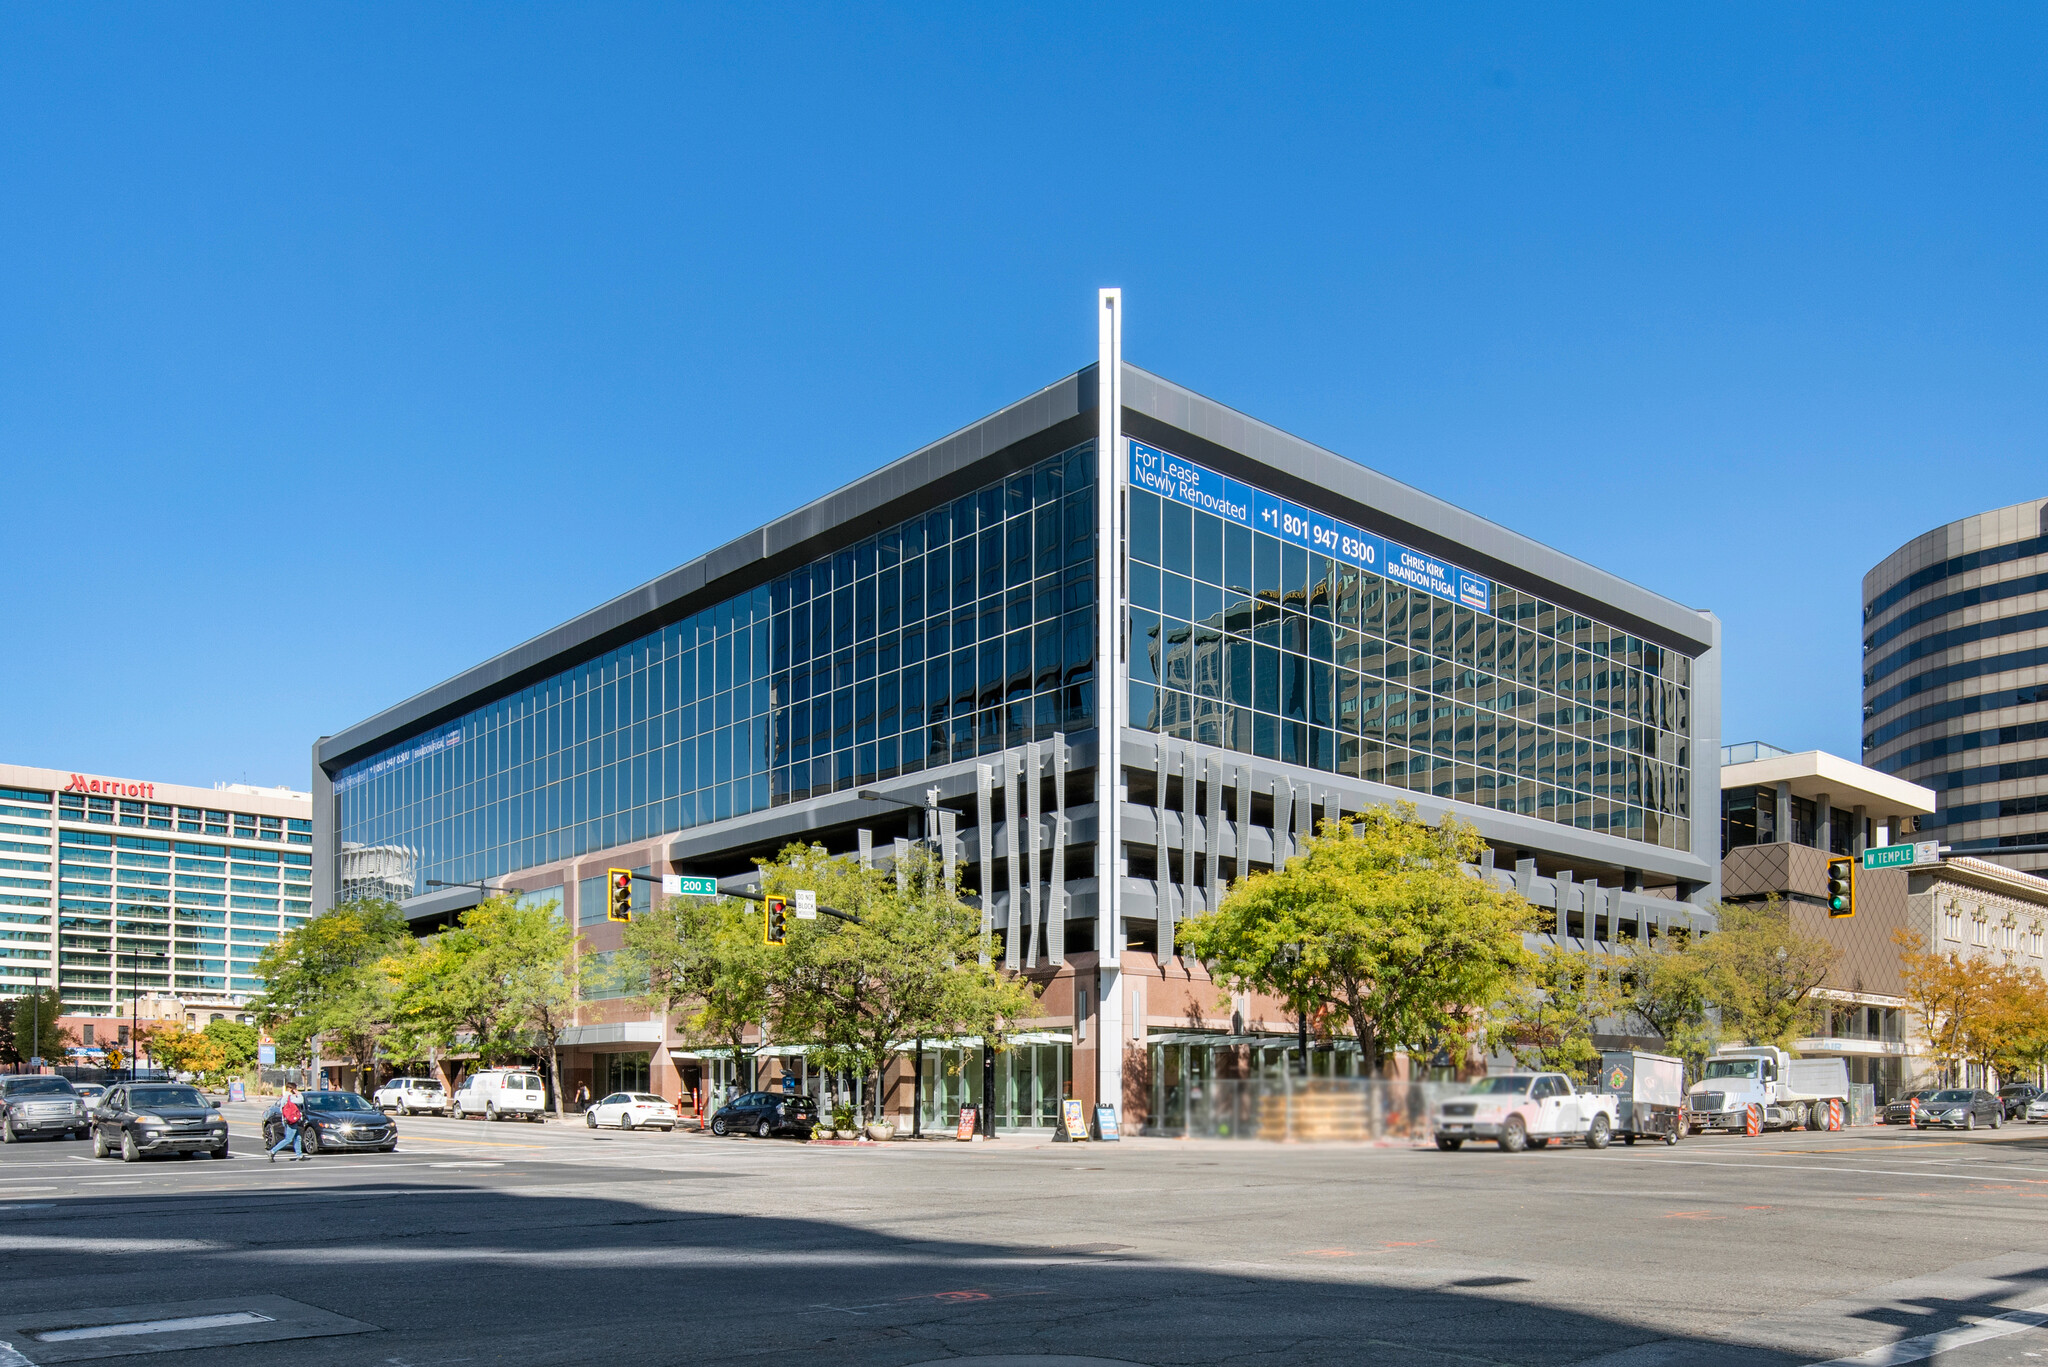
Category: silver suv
[40,1103]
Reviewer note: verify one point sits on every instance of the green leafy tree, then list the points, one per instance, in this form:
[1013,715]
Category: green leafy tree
[1377,921]
[237,1043]
[1550,1020]
[488,983]
[1666,989]
[1762,973]
[704,956]
[29,1029]
[910,969]
[540,971]
[323,983]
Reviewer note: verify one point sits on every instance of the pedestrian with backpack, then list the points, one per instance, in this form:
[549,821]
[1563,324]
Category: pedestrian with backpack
[292,1115]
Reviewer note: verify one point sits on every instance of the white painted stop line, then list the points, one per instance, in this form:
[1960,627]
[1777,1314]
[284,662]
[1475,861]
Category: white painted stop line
[1927,1345]
[113,1331]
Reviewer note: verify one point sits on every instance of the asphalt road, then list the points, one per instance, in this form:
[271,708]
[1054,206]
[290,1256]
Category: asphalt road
[481,1243]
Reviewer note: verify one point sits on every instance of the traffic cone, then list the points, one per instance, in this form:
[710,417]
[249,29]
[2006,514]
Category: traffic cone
[1753,1120]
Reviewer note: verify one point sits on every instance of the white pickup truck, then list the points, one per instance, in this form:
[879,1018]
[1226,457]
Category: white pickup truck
[1517,1110]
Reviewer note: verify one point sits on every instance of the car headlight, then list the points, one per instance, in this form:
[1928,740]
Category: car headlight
[149,1120]
[1954,1114]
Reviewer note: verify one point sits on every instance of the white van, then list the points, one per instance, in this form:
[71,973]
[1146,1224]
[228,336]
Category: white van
[494,1093]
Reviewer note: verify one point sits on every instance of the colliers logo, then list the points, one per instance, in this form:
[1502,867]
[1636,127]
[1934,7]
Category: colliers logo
[109,787]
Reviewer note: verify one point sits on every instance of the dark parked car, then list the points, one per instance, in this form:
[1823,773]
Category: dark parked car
[142,1118]
[40,1103]
[766,1114]
[1960,1108]
[336,1121]
[2015,1098]
[1898,1111]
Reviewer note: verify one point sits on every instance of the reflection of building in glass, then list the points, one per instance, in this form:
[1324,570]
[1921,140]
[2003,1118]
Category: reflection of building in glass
[1259,646]
[382,872]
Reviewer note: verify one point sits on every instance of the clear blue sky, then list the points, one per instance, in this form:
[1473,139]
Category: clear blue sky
[341,347]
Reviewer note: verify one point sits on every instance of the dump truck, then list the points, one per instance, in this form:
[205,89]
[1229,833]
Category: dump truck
[1649,1094]
[1762,1087]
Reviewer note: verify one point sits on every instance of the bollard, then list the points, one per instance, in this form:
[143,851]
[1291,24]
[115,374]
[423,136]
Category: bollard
[1834,1113]
[1753,1120]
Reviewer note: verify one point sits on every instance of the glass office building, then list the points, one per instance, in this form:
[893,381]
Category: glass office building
[1955,680]
[1129,680]
[114,888]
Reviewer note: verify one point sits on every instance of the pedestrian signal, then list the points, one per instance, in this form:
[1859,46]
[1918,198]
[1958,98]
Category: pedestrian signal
[619,891]
[1841,886]
[774,921]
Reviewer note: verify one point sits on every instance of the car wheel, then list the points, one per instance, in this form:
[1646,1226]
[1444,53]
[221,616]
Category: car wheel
[403,1109]
[718,1126]
[765,1130]
[1997,1119]
[625,1120]
[1448,1144]
[490,1112]
[1969,1120]
[590,1120]
[7,1131]
[129,1153]
[1514,1135]
[1598,1133]
[99,1143]
[309,1139]
[221,1152]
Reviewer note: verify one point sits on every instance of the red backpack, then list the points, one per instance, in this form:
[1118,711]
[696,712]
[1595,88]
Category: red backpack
[291,1113]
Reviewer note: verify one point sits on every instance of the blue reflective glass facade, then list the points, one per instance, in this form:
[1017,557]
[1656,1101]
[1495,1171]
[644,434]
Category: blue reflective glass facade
[1241,640]
[954,633]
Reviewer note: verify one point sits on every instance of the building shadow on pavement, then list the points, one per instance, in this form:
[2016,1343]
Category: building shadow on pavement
[456,1273]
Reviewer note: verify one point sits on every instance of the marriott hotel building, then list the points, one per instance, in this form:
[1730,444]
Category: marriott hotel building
[1139,643]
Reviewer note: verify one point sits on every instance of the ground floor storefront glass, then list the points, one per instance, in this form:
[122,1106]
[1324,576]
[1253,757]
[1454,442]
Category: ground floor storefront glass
[620,1073]
[1031,1079]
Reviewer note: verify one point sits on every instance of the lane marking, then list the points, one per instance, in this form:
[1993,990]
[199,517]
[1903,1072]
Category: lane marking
[1927,1345]
[1806,1167]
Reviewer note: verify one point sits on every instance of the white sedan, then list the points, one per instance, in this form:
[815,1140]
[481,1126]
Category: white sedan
[631,1111]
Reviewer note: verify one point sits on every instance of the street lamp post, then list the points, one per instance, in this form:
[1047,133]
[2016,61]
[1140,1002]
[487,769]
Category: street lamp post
[927,825]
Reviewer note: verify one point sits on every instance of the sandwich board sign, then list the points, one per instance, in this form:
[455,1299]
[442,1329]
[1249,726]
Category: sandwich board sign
[1074,1119]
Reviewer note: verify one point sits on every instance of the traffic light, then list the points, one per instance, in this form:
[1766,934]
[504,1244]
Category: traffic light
[774,921]
[619,894]
[1841,886]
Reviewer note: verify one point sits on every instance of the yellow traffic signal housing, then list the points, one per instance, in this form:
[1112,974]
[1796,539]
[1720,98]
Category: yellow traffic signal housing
[1841,886]
[774,921]
[619,894]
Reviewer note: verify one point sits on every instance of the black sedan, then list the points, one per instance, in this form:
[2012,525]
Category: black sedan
[139,1119]
[1960,1108]
[335,1121]
[766,1114]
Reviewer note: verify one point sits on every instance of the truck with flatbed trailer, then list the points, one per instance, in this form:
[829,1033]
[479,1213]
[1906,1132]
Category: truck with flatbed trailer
[1762,1087]
[1524,1110]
